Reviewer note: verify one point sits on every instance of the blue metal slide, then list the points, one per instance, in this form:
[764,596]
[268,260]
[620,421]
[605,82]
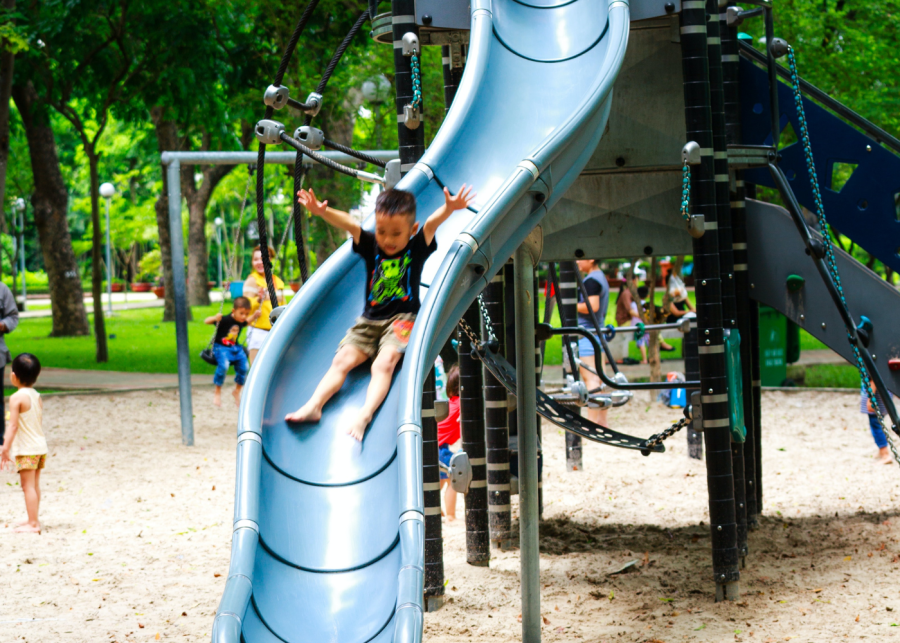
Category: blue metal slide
[328,533]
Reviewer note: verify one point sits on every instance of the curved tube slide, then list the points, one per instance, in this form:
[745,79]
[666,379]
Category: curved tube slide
[328,541]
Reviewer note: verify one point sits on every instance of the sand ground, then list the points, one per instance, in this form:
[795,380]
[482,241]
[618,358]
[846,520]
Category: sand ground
[137,534]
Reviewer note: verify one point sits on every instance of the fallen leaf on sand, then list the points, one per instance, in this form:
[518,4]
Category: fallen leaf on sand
[184,613]
[630,566]
[216,575]
[519,618]
[848,557]
[857,618]
[157,636]
[141,625]
[817,590]
[546,620]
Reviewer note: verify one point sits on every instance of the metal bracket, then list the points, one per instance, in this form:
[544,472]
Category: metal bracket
[779,47]
[690,153]
[276,96]
[460,472]
[276,313]
[456,56]
[311,137]
[411,117]
[269,132]
[391,174]
[696,225]
[410,44]
[741,157]
[314,101]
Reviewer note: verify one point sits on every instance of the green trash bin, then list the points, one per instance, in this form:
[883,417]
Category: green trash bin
[772,347]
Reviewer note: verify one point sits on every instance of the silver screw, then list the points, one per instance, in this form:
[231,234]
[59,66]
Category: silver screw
[874,357]
[803,318]
[823,325]
[707,342]
[710,391]
[719,528]
[703,282]
[868,148]
[752,286]
[730,276]
[706,331]
[741,505]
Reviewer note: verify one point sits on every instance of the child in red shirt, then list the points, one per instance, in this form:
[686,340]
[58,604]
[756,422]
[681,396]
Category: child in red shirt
[448,433]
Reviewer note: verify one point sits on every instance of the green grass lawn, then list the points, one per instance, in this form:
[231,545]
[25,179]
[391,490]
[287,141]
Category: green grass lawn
[138,342]
[832,376]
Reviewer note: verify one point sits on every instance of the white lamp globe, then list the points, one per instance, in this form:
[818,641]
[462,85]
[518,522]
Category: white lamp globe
[218,221]
[19,204]
[107,190]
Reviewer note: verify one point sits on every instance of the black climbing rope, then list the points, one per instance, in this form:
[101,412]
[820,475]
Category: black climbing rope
[349,151]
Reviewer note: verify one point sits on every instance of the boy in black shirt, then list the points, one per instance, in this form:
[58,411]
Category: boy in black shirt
[227,348]
[394,256]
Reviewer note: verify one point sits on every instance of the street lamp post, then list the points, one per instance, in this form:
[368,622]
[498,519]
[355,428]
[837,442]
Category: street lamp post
[218,221]
[107,190]
[20,224]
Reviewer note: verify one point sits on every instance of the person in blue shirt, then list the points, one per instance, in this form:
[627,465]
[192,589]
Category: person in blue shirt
[597,288]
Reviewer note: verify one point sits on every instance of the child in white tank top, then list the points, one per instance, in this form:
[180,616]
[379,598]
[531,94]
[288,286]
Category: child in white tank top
[24,442]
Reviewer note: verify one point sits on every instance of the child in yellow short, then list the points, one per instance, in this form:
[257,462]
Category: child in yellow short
[24,442]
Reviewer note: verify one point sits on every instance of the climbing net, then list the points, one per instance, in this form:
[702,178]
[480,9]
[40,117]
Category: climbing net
[830,258]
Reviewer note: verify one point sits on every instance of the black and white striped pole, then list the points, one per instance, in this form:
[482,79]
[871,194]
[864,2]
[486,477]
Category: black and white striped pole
[496,431]
[453,60]
[726,252]
[713,382]
[730,84]
[410,133]
[431,482]
[471,422]
[568,299]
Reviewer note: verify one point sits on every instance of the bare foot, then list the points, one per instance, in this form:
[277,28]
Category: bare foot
[306,413]
[884,456]
[28,529]
[358,426]
[217,398]
[451,518]
[237,397]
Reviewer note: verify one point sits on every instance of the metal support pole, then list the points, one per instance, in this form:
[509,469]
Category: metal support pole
[176,282]
[509,303]
[471,422]
[411,142]
[692,373]
[707,275]
[726,250]
[431,481]
[538,373]
[109,275]
[529,551]
[496,431]
[568,299]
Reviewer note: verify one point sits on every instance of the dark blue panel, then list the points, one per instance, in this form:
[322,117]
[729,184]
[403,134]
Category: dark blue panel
[864,209]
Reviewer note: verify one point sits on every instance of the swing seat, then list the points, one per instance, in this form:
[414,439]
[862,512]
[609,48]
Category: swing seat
[208,356]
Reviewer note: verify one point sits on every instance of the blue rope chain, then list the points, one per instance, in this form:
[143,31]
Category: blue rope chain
[416,82]
[826,237]
[686,192]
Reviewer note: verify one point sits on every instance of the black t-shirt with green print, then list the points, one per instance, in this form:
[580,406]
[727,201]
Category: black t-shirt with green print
[392,282]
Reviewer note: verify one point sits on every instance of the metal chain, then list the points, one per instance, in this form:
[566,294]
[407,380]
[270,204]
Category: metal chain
[416,82]
[658,438]
[464,327]
[686,192]
[829,248]
[486,318]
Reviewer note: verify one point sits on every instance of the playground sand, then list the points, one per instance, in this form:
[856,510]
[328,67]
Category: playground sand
[137,533]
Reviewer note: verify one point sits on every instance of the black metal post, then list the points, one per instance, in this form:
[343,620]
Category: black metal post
[708,288]
[731,86]
[692,373]
[509,304]
[568,297]
[431,478]
[726,252]
[471,422]
[496,431]
[411,141]
[538,372]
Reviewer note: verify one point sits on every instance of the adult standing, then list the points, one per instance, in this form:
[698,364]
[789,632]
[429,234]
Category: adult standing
[257,291]
[9,319]
[627,314]
[597,288]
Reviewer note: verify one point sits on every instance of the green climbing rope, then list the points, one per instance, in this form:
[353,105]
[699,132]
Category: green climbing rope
[826,238]
[686,192]
[416,81]
[639,333]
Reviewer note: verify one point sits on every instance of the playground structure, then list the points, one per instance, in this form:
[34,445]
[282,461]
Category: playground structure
[586,127]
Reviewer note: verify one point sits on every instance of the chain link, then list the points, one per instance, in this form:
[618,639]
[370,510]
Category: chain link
[686,192]
[486,318]
[464,327]
[416,82]
[658,438]
[829,248]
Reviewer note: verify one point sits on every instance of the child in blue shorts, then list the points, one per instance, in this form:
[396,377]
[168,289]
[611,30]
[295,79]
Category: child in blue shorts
[449,434]
[865,406]
[227,347]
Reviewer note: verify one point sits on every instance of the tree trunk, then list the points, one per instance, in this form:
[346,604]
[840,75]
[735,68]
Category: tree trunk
[198,249]
[6,75]
[49,204]
[97,243]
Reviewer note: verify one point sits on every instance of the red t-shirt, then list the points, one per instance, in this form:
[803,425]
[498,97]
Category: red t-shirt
[448,428]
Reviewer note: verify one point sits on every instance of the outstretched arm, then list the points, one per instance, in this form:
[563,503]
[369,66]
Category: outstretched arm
[461,201]
[334,217]
[214,319]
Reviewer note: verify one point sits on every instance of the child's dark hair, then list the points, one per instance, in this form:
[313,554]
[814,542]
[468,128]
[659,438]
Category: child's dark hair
[391,202]
[27,367]
[453,381]
[242,302]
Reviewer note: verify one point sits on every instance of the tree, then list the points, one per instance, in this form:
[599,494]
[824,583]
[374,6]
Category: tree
[10,43]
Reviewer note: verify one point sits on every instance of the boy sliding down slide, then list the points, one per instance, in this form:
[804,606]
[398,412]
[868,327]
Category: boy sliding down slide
[394,257]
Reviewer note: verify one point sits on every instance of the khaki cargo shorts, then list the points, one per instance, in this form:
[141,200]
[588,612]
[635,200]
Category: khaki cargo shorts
[370,336]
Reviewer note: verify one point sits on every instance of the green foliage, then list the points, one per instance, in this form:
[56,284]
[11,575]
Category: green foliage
[150,265]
